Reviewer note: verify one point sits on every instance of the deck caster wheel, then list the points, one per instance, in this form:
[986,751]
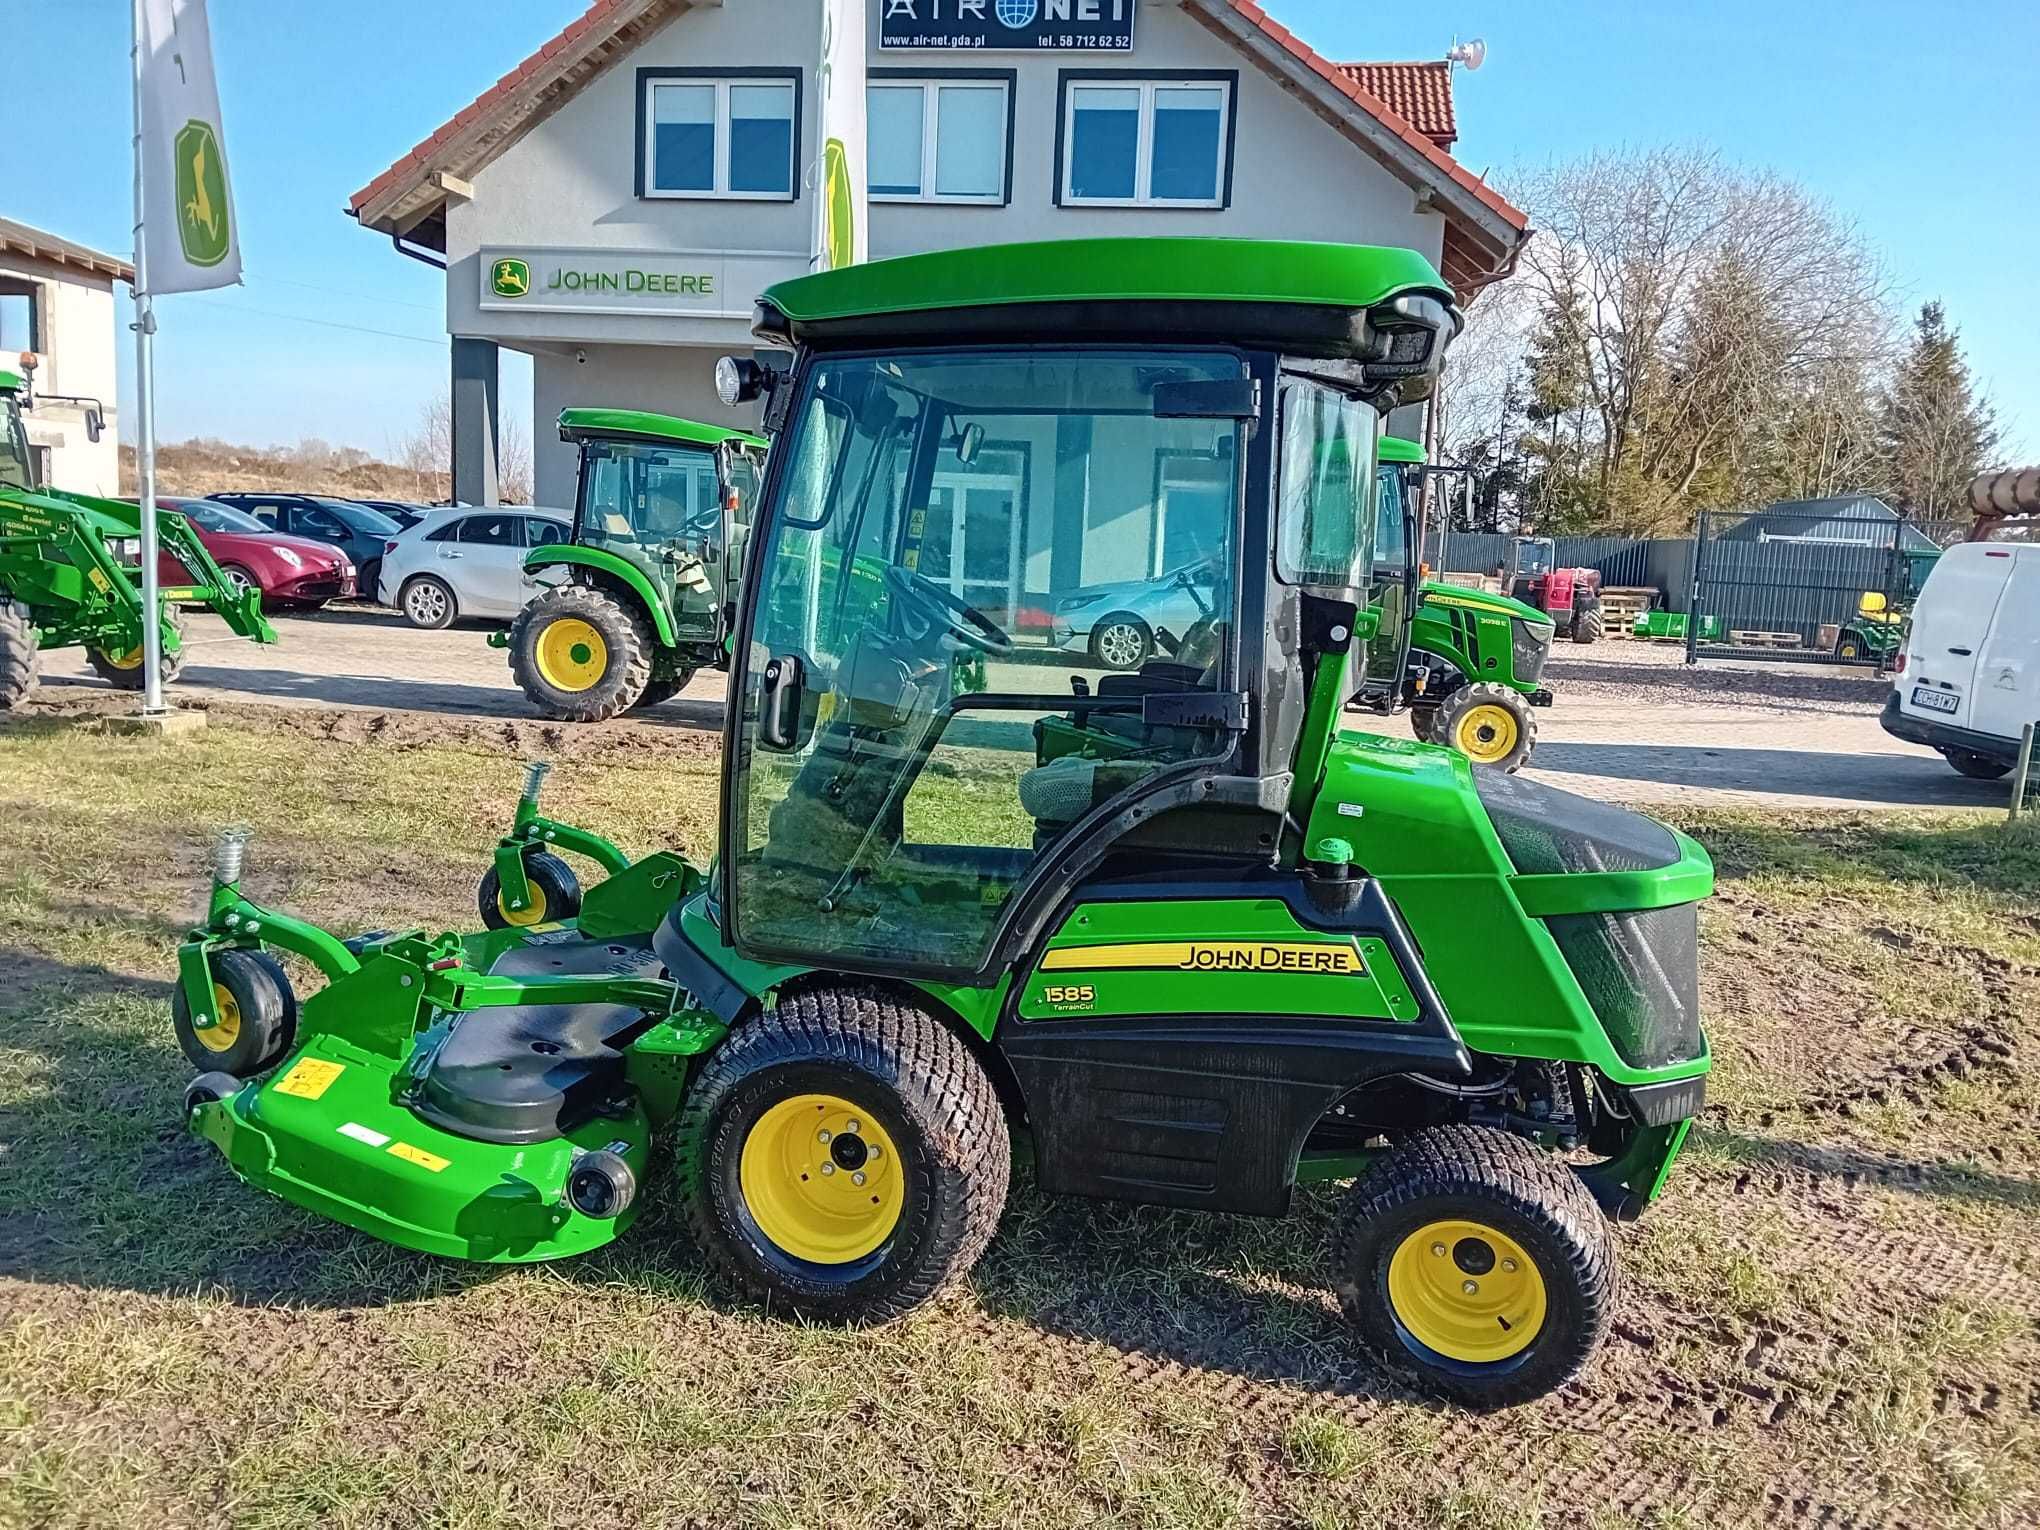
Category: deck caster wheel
[843,1156]
[555,894]
[254,1015]
[601,1185]
[1477,1264]
[209,1089]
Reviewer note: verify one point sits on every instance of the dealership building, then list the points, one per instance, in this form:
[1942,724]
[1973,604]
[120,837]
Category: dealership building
[56,307]
[614,204]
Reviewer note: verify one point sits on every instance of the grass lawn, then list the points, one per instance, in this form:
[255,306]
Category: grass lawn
[1831,1318]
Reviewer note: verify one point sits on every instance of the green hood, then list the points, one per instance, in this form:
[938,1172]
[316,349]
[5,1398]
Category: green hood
[1434,592]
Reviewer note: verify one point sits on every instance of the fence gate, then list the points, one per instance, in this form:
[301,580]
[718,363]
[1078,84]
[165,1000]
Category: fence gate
[1815,587]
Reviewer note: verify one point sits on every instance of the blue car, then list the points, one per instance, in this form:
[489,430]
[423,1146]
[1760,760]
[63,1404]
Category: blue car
[358,530]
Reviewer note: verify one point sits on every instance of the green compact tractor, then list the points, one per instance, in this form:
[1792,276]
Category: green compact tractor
[661,514]
[70,573]
[1167,935]
[1466,665]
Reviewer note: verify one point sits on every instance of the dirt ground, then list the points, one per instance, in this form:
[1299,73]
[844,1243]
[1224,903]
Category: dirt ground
[1631,722]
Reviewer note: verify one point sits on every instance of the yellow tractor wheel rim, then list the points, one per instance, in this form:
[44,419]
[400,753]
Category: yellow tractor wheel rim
[571,654]
[822,1179]
[533,911]
[1466,1291]
[132,659]
[1487,733]
[226,1028]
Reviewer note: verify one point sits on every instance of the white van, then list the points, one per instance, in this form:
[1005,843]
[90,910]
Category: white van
[1969,680]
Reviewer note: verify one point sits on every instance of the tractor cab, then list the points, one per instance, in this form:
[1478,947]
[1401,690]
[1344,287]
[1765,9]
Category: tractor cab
[17,460]
[1529,558]
[1571,597]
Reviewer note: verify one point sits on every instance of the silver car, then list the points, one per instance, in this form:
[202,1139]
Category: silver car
[467,561]
[1118,625]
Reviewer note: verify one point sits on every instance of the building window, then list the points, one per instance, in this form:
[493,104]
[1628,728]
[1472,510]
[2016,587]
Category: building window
[20,316]
[940,139]
[730,134]
[1129,142]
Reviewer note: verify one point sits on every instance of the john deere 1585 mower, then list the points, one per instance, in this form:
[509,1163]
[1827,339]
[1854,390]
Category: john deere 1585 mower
[70,573]
[639,605]
[1168,931]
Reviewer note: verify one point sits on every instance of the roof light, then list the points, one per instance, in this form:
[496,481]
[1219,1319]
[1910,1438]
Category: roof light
[739,381]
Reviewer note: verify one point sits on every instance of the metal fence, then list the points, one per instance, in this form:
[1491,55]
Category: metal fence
[1664,564]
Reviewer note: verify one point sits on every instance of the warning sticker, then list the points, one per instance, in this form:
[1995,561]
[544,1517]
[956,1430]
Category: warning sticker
[418,1155]
[310,1078]
[362,1133]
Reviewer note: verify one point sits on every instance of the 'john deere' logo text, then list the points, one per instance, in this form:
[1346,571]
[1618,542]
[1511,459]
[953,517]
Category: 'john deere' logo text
[202,216]
[509,278]
[1341,957]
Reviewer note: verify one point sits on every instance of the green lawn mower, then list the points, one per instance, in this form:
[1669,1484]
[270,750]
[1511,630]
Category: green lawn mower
[659,524]
[70,573]
[1466,665]
[1167,934]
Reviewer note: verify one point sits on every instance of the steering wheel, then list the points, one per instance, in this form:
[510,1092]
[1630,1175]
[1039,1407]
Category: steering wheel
[961,620]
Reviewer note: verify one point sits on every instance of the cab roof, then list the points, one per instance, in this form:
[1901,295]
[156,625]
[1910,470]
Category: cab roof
[639,424]
[1396,449]
[1297,296]
[10,382]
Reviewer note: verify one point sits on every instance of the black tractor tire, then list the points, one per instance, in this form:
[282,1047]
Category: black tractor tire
[427,603]
[1532,1207]
[1133,648]
[627,646]
[263,1017]
[129,676]
[1467,721]
[662,688]
[915,1082]
[18,657]
[1978,767]
[1424,724]
[1588,625]
[555,890]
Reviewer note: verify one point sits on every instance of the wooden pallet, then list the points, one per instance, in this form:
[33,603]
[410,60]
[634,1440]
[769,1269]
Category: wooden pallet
[1738,639]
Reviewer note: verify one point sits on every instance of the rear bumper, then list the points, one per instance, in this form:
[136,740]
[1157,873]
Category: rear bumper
[1915,729]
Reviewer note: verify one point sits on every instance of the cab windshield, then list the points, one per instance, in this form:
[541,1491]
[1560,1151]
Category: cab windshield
[652,495]
[17,463]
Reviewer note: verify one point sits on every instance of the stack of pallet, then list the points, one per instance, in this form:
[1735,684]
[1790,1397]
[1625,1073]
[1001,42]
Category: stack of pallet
[1621,604]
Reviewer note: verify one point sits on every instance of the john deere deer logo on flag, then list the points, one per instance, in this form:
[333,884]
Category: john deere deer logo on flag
[509,278]
[202,206]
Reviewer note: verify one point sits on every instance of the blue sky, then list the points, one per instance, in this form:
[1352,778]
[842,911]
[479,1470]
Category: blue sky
[1908,118]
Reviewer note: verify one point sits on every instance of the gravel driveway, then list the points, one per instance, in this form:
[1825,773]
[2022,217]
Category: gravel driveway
[1632,723]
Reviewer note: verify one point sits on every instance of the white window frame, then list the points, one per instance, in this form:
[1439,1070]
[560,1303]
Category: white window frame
[1144,152]
[720,190]
[930,87]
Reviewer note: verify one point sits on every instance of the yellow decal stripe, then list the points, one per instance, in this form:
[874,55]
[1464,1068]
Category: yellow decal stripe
[310,1078]
[418,1155]
[1211,956]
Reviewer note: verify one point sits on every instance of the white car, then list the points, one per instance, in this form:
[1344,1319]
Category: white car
[467,561]
[1968,680]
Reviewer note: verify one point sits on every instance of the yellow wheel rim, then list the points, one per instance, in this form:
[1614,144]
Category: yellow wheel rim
[532,912]
[1487,734]
[226,1029]
[571,654]
[1466,1291]
[132,659]
[822,1179]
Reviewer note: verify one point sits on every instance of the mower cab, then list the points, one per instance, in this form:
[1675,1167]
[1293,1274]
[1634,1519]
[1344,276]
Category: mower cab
[638,599]
[1168,925]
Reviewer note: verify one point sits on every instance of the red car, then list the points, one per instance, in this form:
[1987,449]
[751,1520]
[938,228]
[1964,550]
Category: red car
[289,571]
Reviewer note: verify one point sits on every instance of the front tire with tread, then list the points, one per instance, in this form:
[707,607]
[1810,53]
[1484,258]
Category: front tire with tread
[1454,710]
[626,637]
[1588,626]
[18,658]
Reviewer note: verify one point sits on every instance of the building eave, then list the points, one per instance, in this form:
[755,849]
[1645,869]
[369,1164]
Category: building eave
[36,244]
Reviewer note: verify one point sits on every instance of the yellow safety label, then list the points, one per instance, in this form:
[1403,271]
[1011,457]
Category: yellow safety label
[310,1078]
[99,580]
[418,1155]
[1212,956]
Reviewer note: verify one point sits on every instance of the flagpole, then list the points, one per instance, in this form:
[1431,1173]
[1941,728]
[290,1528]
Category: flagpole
[145,420]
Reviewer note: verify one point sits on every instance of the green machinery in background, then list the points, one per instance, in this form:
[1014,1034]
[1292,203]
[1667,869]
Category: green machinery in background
[70,572]
[659,521]
[1169,930]
[1467,665]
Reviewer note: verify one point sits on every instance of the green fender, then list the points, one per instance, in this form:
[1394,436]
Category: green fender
[609,563]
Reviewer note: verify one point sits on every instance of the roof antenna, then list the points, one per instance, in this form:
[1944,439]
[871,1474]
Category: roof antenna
[1468,55]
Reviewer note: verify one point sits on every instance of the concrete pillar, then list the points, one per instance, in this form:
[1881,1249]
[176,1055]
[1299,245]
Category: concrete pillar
[1072,502]
[476,422]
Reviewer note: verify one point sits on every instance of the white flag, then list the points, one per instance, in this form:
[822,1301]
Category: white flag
[840,210]
[188,233]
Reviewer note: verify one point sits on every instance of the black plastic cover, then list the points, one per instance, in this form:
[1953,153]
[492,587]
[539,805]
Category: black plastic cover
[1641,973]
[1546,830]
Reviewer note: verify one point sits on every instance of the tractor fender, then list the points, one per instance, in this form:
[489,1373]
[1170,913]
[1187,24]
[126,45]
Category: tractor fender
[596,560]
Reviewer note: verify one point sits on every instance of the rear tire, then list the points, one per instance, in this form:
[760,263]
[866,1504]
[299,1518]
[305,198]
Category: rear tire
[18,656]
[662,689]
[1588,626]
[581,654]
[1459,1206]
[427,603]
[1978,767]
[890,1077]
[256,1011]
[1491,725]
[1424,724]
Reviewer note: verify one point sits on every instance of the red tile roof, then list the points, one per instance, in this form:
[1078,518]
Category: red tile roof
[1420,92]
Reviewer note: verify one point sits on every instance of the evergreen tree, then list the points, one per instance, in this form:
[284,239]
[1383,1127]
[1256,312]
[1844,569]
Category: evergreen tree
[1934,433]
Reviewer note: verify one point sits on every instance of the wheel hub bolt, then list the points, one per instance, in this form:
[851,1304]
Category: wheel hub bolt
[828,1168]
[850,1127]
[1509,1265]
[822,1135]
[1470,1287]
[1438,1249]
[871,1148]
[857,1178]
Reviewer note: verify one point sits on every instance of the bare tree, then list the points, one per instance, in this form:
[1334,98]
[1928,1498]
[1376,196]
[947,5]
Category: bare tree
[428,451]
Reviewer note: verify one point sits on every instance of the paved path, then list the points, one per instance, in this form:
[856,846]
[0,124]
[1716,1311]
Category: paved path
[1606,741]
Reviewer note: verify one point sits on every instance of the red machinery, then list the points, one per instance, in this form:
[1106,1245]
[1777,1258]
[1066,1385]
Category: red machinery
[1571,597]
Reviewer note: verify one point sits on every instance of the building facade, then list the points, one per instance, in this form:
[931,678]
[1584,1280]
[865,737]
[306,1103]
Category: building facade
[56,305]
[613,207]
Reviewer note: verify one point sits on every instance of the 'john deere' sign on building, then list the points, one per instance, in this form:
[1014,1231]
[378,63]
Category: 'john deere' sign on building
[1090,26]
[698,283]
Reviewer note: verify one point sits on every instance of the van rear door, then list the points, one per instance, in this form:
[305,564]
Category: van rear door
[1950,626]
[2006,693]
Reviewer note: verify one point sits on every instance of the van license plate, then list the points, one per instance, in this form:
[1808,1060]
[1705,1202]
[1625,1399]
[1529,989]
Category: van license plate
[1935,701]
